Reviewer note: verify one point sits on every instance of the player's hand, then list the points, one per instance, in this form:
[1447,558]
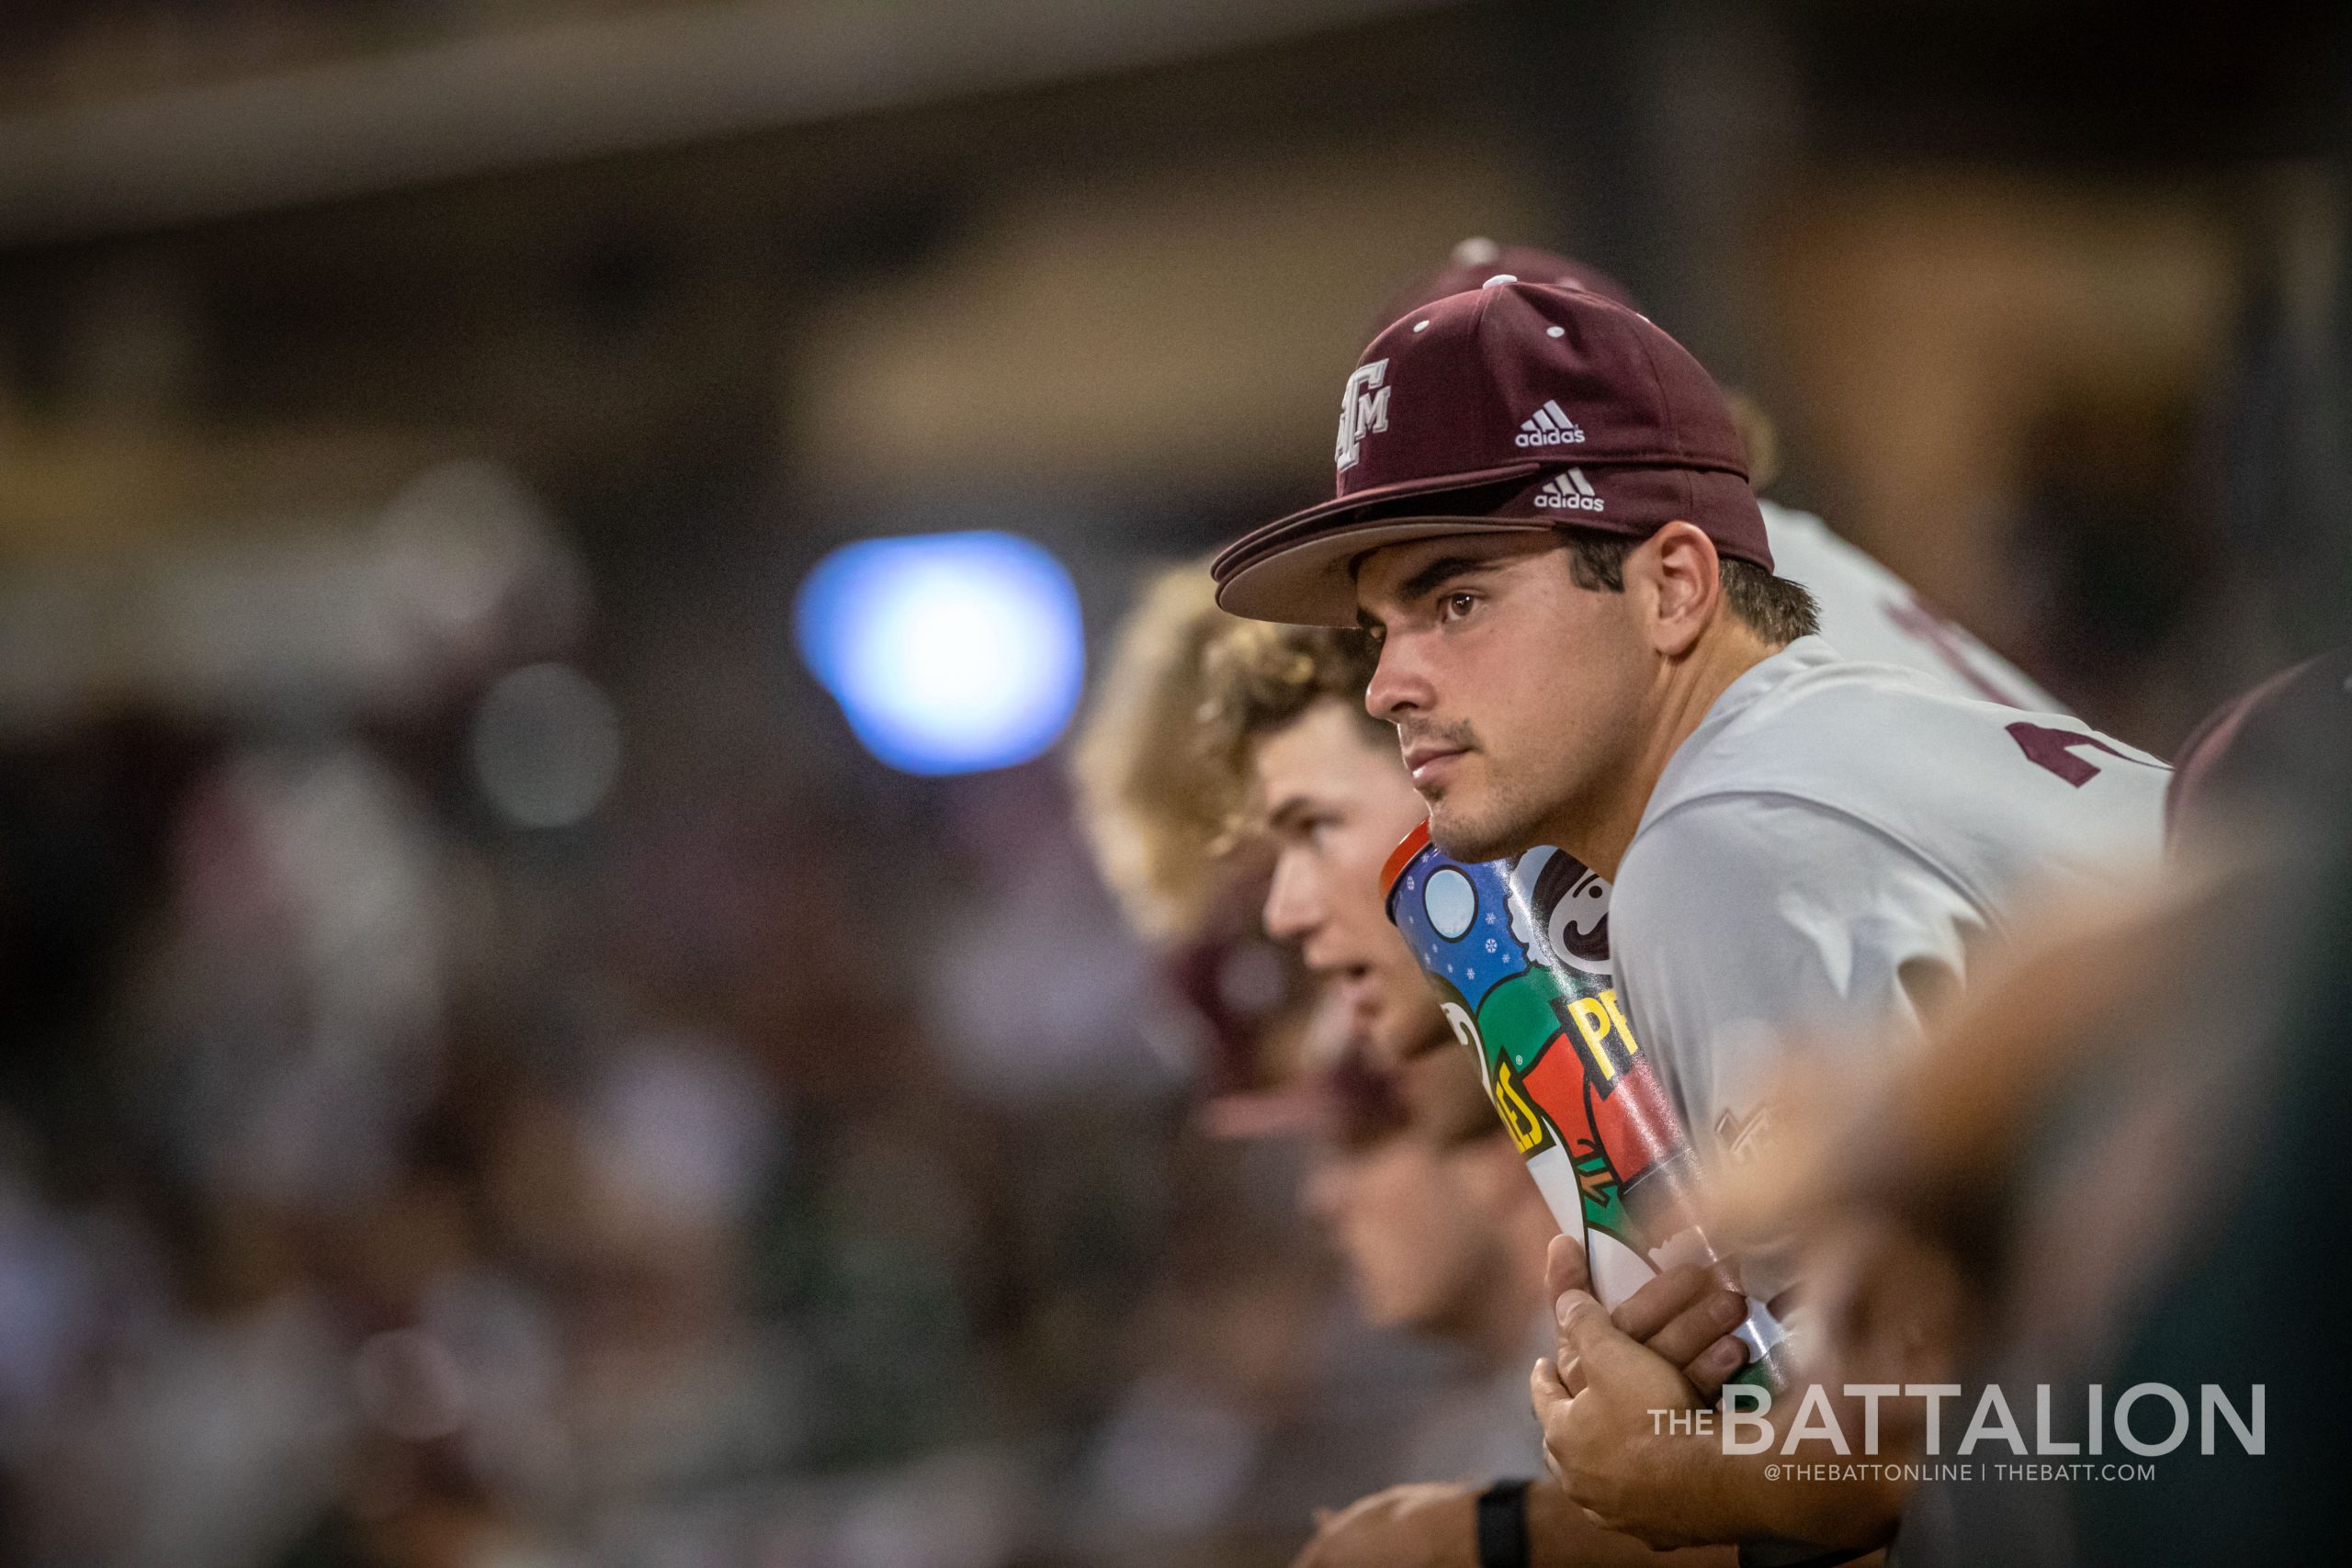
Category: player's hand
[1602,1444]
[1618,1458]
[1686,1314]
[1428,1525]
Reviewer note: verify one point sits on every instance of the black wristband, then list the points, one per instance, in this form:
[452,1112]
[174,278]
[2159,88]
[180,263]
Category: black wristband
[1792,1554]
[1503,1525]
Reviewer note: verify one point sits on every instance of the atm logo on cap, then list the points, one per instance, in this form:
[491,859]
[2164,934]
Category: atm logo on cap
[1363,409]
[1569,492]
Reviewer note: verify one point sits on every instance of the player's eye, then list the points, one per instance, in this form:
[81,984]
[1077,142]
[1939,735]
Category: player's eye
[1454,607]
[1299,828]
[1304,836]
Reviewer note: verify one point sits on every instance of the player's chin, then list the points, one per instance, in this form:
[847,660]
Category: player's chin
[1395,1305]
[1412,1023]
[1397,1036]
[1465,835]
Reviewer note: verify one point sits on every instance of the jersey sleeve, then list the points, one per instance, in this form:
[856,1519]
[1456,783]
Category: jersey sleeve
[1744,922]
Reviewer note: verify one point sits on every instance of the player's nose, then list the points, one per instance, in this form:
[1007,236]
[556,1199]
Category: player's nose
[1399,686]
[1323,1194]
[1290,911]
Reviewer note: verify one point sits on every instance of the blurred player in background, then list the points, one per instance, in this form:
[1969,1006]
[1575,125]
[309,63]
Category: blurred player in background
[1421,1194]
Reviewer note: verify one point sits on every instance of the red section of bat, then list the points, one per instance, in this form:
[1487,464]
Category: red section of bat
[1556,1083]
[1635,1121]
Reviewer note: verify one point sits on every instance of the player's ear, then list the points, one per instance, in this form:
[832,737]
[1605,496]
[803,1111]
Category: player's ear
[1685,584]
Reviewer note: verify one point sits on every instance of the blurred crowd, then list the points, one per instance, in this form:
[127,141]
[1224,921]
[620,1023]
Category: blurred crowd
[446,1122]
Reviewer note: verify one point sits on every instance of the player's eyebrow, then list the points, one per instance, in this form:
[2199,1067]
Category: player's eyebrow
[1435,575]
[1288,810]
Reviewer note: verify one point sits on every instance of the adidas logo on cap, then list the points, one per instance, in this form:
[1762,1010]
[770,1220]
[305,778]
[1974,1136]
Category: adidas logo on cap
[1569,492]
[1548,426]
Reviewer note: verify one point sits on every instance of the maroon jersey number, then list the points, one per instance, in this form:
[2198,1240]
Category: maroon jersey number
[2056,748]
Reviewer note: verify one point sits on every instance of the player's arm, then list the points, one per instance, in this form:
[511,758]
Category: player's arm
[1436,1525]
[1740,925]
[1744,924]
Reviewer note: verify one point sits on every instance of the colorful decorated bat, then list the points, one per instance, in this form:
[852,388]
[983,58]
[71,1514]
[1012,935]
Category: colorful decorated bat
[1517,953]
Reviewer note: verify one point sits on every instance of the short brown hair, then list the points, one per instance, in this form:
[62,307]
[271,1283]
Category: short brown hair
[1258,676]
[1772,607]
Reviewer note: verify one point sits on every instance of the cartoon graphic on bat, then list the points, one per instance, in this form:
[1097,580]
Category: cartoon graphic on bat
[1518,954]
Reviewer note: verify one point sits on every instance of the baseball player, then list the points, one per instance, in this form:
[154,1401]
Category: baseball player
[1584,643]
[1290,749]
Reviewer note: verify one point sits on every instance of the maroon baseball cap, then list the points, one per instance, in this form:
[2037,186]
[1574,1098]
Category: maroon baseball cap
[1476,259]
[1515,407]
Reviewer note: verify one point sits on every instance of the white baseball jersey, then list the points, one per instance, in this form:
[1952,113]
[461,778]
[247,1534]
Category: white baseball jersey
[1871,614]
[1826,849]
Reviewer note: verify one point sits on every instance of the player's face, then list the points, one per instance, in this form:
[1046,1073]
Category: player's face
[1412,1239]
[1516,694]
[1416,1209]
[1336,803]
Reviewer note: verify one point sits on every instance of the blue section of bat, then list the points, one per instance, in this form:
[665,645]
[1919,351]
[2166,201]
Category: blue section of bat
[1455,915]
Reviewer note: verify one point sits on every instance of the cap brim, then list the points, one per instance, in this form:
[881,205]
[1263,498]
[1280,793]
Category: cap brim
[1295,569]
[1309,582]
[1302,568]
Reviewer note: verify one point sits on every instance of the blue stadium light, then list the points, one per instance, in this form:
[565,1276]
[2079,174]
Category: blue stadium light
[949,653]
